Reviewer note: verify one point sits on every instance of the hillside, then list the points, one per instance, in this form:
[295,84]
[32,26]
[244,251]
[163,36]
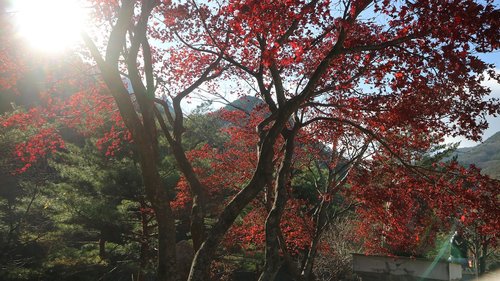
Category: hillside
[245,103]
[485,156]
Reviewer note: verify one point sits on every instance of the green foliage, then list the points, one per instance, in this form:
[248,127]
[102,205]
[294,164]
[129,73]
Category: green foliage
[204,129]
[442,246]
[53,217]
[307,183]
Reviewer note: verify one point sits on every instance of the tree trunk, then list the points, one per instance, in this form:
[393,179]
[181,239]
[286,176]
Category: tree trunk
[156,193]
[102,247]
[482,258]
[272,263]
[204,256]
[197,192]
[143,256]
[313,248]
[167,265]
[197,222]
[143,127]
[158,196]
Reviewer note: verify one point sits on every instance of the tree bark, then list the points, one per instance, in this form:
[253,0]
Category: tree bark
[158,196]
[197,192]
[482,257]
[313,248]
[273,263]
[167,265]
[143,130]
[204,256]
[102,247]
[144,241]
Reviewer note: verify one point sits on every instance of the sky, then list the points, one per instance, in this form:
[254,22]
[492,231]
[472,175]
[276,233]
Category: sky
[494,122]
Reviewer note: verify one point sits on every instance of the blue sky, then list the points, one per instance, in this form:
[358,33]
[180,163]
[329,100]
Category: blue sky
[494,122]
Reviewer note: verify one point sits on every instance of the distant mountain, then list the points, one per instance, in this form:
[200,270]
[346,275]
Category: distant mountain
[245,103]
[485,156]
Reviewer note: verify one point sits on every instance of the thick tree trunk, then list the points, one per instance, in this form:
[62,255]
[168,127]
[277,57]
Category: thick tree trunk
[144,136]
[167,265]
[273,263]
[143,128]
[144,254]
[157,194]
[204,256]
[197,191]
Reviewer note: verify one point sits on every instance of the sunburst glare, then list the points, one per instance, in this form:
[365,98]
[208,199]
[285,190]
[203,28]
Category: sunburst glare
[50,25]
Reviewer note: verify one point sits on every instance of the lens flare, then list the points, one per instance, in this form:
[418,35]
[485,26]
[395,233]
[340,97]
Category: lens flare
[50,25]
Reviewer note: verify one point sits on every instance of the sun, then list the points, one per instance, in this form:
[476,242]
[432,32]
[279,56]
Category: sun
[50,25]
